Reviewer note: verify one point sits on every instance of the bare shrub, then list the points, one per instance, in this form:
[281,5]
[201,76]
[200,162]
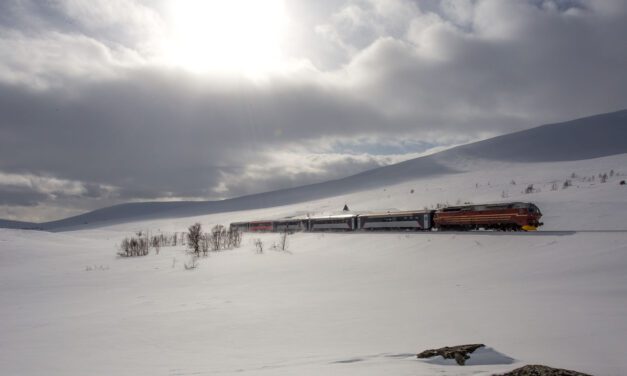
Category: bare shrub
[234,238]
[258,245]
[220,238]
[134,246]
[204,244]
[567,183]
[529,189]
[194,233]
[217,237]
[282,244]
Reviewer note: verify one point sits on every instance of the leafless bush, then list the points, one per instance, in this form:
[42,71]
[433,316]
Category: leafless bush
[134,246]
[258,245]
[220,238]
[204,243]
[234,238]
[89,268]
[283,241]
[567,183]
[282,244]
[529,189]
[554,186]
[217,237]
[194,233]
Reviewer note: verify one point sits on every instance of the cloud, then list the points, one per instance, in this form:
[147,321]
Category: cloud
[87,103]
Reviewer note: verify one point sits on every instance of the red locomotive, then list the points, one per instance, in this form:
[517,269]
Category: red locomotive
[513,216]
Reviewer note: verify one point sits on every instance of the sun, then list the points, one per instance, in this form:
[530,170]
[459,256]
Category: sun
[237,36]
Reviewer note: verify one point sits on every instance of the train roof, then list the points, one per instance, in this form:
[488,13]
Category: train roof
[333,216]
[289,219]
[395,213]
[517,204]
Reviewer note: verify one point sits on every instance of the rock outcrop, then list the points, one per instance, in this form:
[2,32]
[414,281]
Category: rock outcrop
[459,353]
[539,370]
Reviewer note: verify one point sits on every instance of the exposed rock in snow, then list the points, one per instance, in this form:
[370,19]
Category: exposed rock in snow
[460,353]
[539,370]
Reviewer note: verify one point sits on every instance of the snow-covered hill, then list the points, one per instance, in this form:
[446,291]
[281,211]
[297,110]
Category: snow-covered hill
[336,304]
[591,137]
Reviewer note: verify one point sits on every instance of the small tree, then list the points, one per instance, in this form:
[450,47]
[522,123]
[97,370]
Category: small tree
[194,233]
[259,245]
[234,237]
[204,243]
[529,189]
[134,246]
[217,237]
[283,241]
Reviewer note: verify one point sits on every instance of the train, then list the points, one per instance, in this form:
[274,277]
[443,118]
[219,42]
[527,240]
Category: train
[511,216]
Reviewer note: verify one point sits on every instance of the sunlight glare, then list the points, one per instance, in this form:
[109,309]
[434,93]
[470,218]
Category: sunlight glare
[242,36]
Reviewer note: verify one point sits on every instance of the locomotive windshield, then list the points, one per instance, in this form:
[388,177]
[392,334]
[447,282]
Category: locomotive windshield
[534,209]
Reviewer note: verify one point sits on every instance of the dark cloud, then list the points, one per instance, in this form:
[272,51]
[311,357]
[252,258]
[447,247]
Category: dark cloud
[82,101]
[19,197]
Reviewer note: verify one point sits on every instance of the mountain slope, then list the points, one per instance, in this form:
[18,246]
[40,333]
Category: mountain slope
[585,138]
[18,225]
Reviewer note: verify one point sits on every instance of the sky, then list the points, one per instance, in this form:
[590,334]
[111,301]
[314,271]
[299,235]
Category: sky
[111,101]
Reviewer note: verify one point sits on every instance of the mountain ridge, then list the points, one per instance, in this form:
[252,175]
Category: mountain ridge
[602,135]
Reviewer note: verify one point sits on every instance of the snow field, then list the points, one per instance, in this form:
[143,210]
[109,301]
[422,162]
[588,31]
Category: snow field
[334,304]
[337,304]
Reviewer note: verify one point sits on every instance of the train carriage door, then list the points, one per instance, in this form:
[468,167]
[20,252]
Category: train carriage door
[425,222]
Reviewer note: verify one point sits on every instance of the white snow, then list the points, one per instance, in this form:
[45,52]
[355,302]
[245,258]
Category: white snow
[337,304]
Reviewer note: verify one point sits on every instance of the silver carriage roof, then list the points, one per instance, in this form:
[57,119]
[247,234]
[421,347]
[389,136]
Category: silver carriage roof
[395,213]
[513,205]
